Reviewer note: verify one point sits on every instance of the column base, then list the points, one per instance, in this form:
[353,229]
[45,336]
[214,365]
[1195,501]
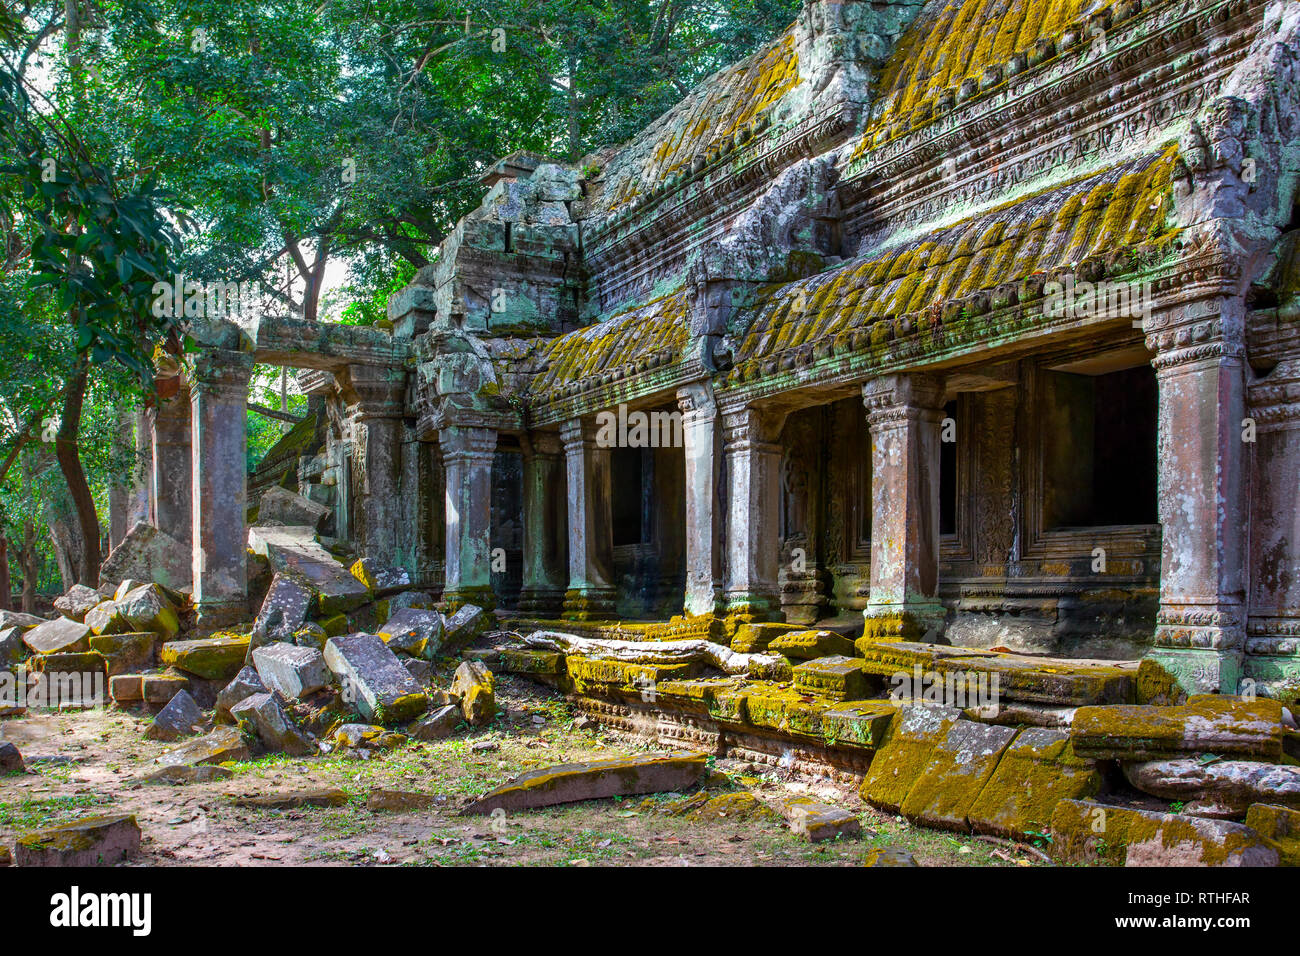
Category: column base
[914,622]
[704,601]
[1194,670]
[1271,665]
[479,595]
[543,603]
[751,607]
[213,616]
[589,604]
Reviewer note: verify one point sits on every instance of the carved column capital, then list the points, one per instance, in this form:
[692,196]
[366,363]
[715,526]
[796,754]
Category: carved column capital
[890,399]
[463,444]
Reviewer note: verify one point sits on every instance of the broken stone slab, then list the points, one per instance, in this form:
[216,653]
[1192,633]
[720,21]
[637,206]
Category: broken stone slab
[836,677]
[77,601]
[244,685]
[179,718]
[126,688]
[437,725]
[280,506]
[24,622]
[219,657]
[1223,788]
[147,554]
[475,686]
[597,780]
[380,578]
[858,723]
[12,648]
[1088,832]
[399,801]
[93,841]
[1280,825]
[465,625]
[889,856]
[274,727]
[311,634]
[317,797]
[180,775]
[733,807]
[413,631]
[296,553]
[912,736]
[817,822]
[421,600]
[284,609]
[290,670]
[421,670]
[355,736]
[958,767]
[106,618]
[221,745]
[148,609]
[374,680]
[1219,724]
[811,644]
[757,637]
[126,587]
[1037,771]
[59,636]
[11,761]
[160,688]
[126,653]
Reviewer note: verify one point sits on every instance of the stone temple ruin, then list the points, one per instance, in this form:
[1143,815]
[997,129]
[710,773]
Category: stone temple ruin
[942,343]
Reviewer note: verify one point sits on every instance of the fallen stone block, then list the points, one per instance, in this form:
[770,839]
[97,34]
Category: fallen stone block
[475,687]
[12,648]
[284,609]
[421,600]
[244,685]
[912,736]
[858,723]
[889,856]
[421,670]
[756,638]
[179,718]
[1037,771]
[817,822]
[126,688]
[734,807]
[216,658]
[1223,788]
[280,506]
[126,587]
[514,660]
[24,622]
[836,677]
[180,775]
[356,736]
[437,725]
[318,797]
[147,554]
[106,618]
[11,761]
[78,600]
[312,635]
[465,625]
[291,671]
[398,801]
[374,680]
[413,631]
[380,578]
[59,636]
[1281,825]
[597,780]
[221,745]
[148,609]
[1087,832]
[126,653]
[93,841]
[160,688]
[274,727]
[809,645]
[295,552]
[958,768]
[1209,723]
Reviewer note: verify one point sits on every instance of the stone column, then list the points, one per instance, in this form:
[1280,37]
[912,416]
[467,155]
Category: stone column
[753,462]
[140,506]
[376,398]
[905,413]
[590,596]
[1200,627]
[700,438]
[545,525]
[219,402]
[467,463]
[172,464]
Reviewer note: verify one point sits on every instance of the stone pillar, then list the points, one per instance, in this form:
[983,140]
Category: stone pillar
[140,505]
[376,400]
[172,463]
[467,463]
[753,462]
[905,413]
[545,526]
[219,402]
[1200,627]
[700,439]
[1273,627]
[590,596]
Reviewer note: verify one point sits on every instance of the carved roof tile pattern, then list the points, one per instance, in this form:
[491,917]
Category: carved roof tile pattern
[946,46]
[644,337]
[887,292]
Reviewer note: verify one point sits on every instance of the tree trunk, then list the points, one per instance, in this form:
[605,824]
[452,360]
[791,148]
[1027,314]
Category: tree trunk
[29,567]
[575,135]
[65,450]
[6,586]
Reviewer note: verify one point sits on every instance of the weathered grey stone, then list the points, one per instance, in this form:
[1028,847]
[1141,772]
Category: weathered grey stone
[380,578]
[374,680]
[24,622]
[834,676]
[414,632]
[126,653]
[811,644]
[1038,770]
[1279,824]
[475,686]
[147,554]
[179,717]
[1087,832]
[320,797]
[222,744]
[465,625]
[12,648]
[296,551]
[180,774]
[244,685]
[912,736]
[161,687]
[148,609]
[958,767]
[399,801]
[77,601]
[213,658]
[437,725]
[817,822]
[279,506]
[126,587]
[93,841]
[889,856]
[1222,788]
[1209,723]
[11,761]
[569,783]
[106,618]
[284,609]
[389,606]
[275,728]
[290,670]
[422,671]
[61,636]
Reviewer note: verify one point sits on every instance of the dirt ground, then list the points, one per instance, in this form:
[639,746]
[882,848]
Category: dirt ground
[99,756]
